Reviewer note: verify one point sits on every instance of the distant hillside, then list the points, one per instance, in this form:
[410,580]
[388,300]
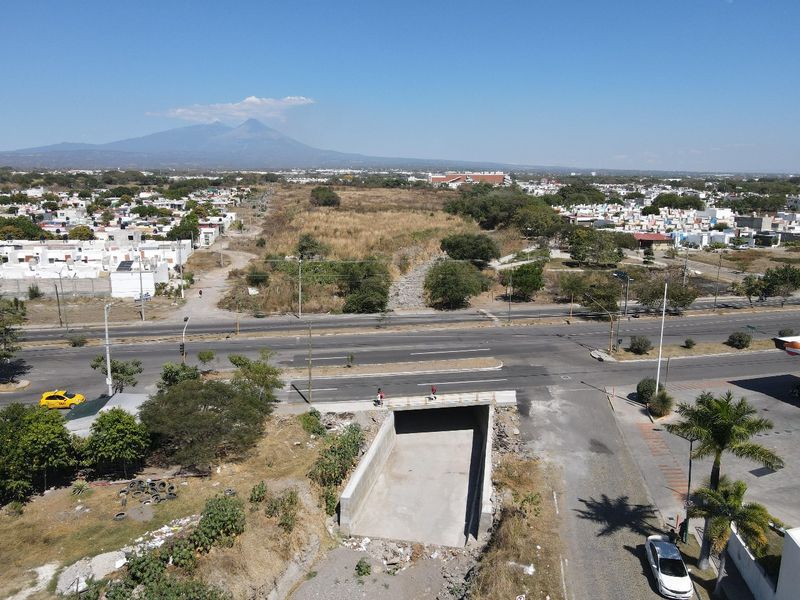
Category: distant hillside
[251,145]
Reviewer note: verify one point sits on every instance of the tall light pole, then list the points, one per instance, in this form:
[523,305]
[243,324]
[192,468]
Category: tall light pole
[661,338]
[684,531]
[108,352]
[300,287]
[141,287]
[183,340]
[622,275]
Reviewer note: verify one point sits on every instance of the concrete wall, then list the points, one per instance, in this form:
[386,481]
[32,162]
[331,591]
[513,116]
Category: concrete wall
[480,504]
[366,474]
[760,585]
[789,579]
[18,288]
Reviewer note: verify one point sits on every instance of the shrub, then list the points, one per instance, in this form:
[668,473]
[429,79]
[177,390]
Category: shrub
[15,508]
[689,343]
[258,493]
[257,278]
[221,521]
[34,292]
[329,499]
[324,196]
[261,242]
[739,340]
[786,332]
[645,390]
[205,356]
[337,459]
[147,567]
[77,341]
[284,507]
[183,555]
[363,568]
[311,423]
[640,344]
[661,404]
[80,487]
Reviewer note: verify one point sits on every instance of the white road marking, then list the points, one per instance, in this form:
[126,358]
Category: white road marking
[328,358]
[563,578]
[555,501]
[449,351]
[324,389]
[457,382]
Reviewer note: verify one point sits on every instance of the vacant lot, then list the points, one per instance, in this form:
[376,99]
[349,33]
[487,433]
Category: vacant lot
[402,226]
[53,529]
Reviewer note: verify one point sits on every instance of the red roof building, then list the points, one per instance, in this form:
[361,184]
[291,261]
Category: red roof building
[652,239]
[456,179]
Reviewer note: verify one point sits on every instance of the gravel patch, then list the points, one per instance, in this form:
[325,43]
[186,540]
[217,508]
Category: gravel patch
[408,292]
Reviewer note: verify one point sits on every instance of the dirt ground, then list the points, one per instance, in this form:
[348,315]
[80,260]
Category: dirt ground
[82,310]
[60,527]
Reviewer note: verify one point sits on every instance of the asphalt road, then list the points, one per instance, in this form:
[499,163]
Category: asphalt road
[532,355]
[290,323]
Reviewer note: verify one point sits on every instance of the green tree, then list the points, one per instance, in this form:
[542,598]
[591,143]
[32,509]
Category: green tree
[450,284]
[476,247]
[172,373]
[601,299]
[81,232]
[365,285]
[671,200]
[46,443]
[15,473]
[309,247]
[598,248]
[21,228]
[723,506]
[572,285]
[123,372]
[257,376]
[751,286]
[323,195]
[722,424]
[12,314]
[650,293]
[782,281]
[187,229]
[196,422]
[537,221]
[650,210]
[116,438]
[107,216]
[524,280]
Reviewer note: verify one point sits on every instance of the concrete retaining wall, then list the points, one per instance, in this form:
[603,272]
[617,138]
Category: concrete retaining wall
[789,578]
[480,504]
[760,585]
[366,474]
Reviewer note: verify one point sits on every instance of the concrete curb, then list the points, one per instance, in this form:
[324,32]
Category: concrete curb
[400,373]
[739,353]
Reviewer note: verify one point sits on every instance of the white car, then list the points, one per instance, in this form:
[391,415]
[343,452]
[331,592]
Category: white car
[668,568]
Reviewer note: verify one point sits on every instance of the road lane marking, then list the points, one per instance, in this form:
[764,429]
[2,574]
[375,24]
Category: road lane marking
[555,501]
[448,351]
[324,389]
[457,382]
[327,358]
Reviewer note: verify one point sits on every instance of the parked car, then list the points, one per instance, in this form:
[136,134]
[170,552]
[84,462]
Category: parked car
[60,399]
[669,570]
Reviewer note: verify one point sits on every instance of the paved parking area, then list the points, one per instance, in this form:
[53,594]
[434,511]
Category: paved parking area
[664,458]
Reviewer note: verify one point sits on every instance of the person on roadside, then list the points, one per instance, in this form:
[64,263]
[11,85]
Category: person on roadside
[433,392]
[379,398]
[201,293]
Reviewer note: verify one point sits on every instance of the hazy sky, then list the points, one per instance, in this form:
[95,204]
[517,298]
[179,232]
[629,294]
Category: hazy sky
[651,84]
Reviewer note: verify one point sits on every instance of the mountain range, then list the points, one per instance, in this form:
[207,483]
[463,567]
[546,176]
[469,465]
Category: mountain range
[251,145]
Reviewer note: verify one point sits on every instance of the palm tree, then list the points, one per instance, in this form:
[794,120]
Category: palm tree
[724,506]
[722,425]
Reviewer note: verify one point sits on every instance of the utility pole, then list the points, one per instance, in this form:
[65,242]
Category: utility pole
[61,283]
[141,287]
[58,303]
[183,340]
[180,266]
[300,288]
[108,352]
[510,291]
[310,354]
[716,285]
[685,266]
[661,339]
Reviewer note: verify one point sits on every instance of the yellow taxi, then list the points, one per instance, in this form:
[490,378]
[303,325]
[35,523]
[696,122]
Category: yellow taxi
[60,399]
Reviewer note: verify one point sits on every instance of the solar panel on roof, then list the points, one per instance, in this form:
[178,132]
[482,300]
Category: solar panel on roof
[125,265]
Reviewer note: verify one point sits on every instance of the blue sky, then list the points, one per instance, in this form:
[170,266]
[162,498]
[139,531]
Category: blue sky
[649,84]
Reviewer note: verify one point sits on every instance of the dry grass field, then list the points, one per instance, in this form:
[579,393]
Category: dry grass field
[527,534]
[52,530]
[402,226]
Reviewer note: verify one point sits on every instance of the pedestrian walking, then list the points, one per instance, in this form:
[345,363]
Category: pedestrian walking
[433,392]
[379,398]
[201,293]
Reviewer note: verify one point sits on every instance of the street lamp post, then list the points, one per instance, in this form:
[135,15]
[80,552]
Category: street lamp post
[716,284]
[108,352]
[622,275]
[661,338]
[183,339]
[684,531]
